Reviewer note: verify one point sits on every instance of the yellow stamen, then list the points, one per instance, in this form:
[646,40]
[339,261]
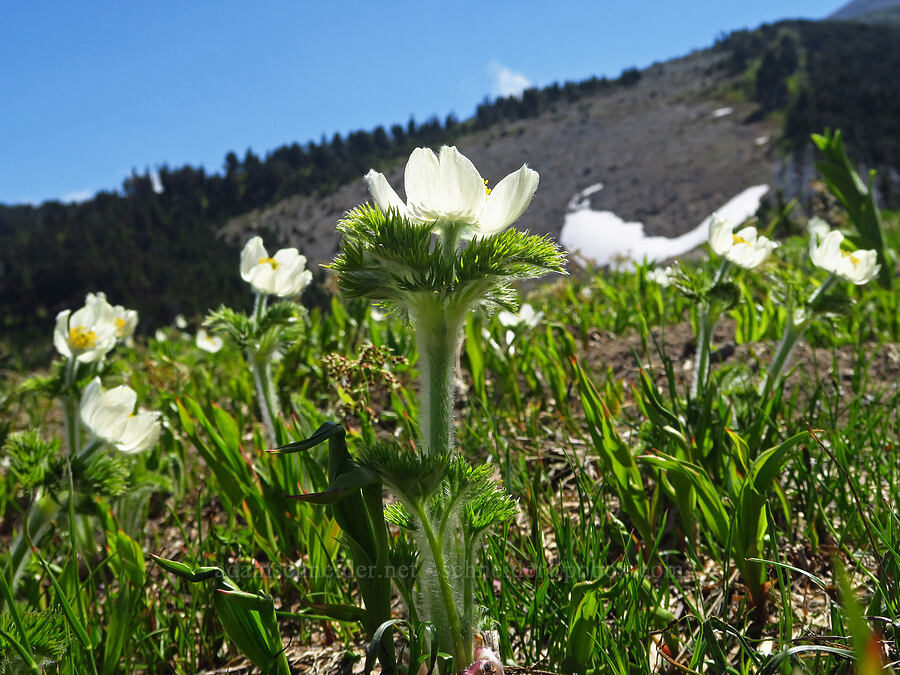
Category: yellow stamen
[80,338]
[853,258]
[739,240]
[487,190]
[120,326]
[269,261]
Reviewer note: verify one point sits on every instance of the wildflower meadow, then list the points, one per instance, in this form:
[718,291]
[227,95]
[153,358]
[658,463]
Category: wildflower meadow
[678,467]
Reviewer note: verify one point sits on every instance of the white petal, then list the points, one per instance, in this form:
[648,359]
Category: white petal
[141,433]
[383,194]
[463,192]
[90,401]
[827,254]
[121,397]
[129,318]
[744,255]
[508,200]
[208,343]
[262,279]
[721,237]
[507,318]
[420,179]
[250,256]
[748,234]
[61,333]
[289,257]
[446,188]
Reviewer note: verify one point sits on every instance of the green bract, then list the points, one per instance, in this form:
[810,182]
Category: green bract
[392,260]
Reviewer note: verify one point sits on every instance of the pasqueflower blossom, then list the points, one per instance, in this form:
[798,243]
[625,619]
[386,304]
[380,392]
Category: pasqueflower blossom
[88,333]
[446,189]
[744,248]
[208,343]
[525,317]
[661,276]
[125,320]
[857,267]
[283,274]
[110,416]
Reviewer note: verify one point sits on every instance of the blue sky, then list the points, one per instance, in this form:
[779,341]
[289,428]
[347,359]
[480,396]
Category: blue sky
[92,91]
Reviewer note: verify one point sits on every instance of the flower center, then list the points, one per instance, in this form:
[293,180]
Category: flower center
[739,240]
[120,326]
[269,261]
[853,258]
[487,190]
[80,338]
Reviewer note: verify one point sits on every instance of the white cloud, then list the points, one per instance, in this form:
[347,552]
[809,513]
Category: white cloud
[506,82]
[77,196]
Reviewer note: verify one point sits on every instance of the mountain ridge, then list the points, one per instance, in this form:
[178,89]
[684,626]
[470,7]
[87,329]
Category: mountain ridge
[649,136]
[861,9]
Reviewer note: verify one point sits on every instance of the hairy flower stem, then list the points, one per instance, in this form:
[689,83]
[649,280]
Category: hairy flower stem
[265,394]
[261,366]
[438,336]
[462,644]
[70,409]
[706,327]
[704,337]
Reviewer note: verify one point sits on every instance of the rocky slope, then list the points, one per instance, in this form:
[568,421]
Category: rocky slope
[667,149]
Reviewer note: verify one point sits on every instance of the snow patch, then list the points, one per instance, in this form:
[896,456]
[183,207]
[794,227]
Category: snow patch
[607,239]
[722,112]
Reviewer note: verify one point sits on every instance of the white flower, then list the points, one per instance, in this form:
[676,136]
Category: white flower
[526,317]
[110,416]
[660,276]
[208,343]
[283,274]
[180,322]
[743,248]
[160,335]
[858,267]
[125,320]
[447,188]
[87,334]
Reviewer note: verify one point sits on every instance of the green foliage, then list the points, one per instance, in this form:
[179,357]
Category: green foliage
[43,630]
[249,619]
[104,475]
[811,72]
[31,458]
[390,260]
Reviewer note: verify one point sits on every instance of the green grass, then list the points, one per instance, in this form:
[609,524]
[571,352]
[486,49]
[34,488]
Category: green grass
[572,584]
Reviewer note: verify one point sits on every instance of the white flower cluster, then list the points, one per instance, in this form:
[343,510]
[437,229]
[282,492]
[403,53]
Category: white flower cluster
[87,334]
[747,249]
